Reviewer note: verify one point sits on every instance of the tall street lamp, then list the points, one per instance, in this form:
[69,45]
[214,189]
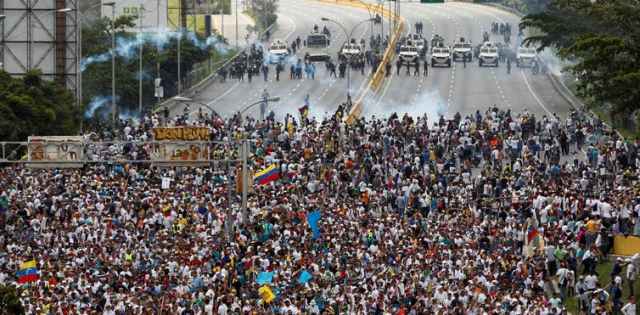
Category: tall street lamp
[262,101]
[183,99]
[348,35]
[113,59]
[179,60]
[79,20]
[2,17]
[141,44]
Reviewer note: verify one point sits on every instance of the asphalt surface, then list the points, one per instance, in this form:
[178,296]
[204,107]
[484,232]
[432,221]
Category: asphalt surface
[295,19]
[444,91]
[466,89]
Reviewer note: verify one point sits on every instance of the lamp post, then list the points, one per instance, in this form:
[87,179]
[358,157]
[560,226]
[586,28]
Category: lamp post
[179,59]
[262,101]
[141,44]
[79,20]
[183,99]
[348,35]
[113,60]
[381,5]
[237,25]
[2,17]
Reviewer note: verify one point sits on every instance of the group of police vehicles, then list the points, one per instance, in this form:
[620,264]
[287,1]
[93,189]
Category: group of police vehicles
[317,46]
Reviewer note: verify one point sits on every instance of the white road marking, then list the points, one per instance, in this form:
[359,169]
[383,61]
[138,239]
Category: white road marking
[526,81]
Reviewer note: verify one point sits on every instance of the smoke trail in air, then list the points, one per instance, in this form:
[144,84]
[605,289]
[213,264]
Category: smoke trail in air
[128,47]
[96,103]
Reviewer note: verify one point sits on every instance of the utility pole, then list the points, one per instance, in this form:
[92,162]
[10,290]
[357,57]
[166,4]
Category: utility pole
[140,43]
[237,45]
[228,224]
[113,60]
[221,7]
[2,17]
[158,80]
[394,21]
[179,61]
[245,181]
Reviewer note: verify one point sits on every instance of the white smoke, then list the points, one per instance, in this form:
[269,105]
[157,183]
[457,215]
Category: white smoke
[96,103]
[128,47]
[430,103]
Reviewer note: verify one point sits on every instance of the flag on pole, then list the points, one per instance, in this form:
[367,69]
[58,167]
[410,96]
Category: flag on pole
[267,175]
[533,242]
[313,218]
[266,294]
[304,111]
[304,277]
[532,233]
[28,272]
[264,278]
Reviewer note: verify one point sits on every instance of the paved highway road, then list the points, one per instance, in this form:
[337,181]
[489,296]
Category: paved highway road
[444,91]
[459,89]
[295,19]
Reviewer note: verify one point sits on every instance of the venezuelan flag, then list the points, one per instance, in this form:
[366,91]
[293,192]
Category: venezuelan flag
[28,272]
[267,175]
[304,111]
[532,233]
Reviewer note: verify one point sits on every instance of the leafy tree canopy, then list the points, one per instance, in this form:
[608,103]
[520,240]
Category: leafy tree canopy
[10,301]
[159,58]
[602,39]
[32,106]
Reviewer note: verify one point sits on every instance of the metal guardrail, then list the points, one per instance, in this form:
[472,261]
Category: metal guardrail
[63,153]
[378,77]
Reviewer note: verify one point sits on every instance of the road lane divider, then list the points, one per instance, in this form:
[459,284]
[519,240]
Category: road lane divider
[376,80]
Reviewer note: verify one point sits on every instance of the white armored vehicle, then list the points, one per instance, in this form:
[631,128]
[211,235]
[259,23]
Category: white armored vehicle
[462,50]
[409,53]
[440,54]
[351,50]
[525,57]
[419,42]
[278,51]
[318,47]
[488,55]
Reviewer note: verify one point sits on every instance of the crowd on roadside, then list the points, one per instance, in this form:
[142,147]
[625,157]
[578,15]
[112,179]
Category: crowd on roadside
[490,213]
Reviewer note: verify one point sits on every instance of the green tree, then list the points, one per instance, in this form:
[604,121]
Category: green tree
[265,13]
[161,48]
[10,301]
[32,106]
[602,39]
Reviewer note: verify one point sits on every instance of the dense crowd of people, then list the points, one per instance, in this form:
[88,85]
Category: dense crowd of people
[490,213]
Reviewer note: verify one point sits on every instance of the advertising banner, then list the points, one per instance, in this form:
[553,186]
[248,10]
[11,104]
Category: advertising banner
[55,151]
[183,145]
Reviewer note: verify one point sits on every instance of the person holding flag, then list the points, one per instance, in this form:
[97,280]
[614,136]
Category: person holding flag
[28,272]
[304,110]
